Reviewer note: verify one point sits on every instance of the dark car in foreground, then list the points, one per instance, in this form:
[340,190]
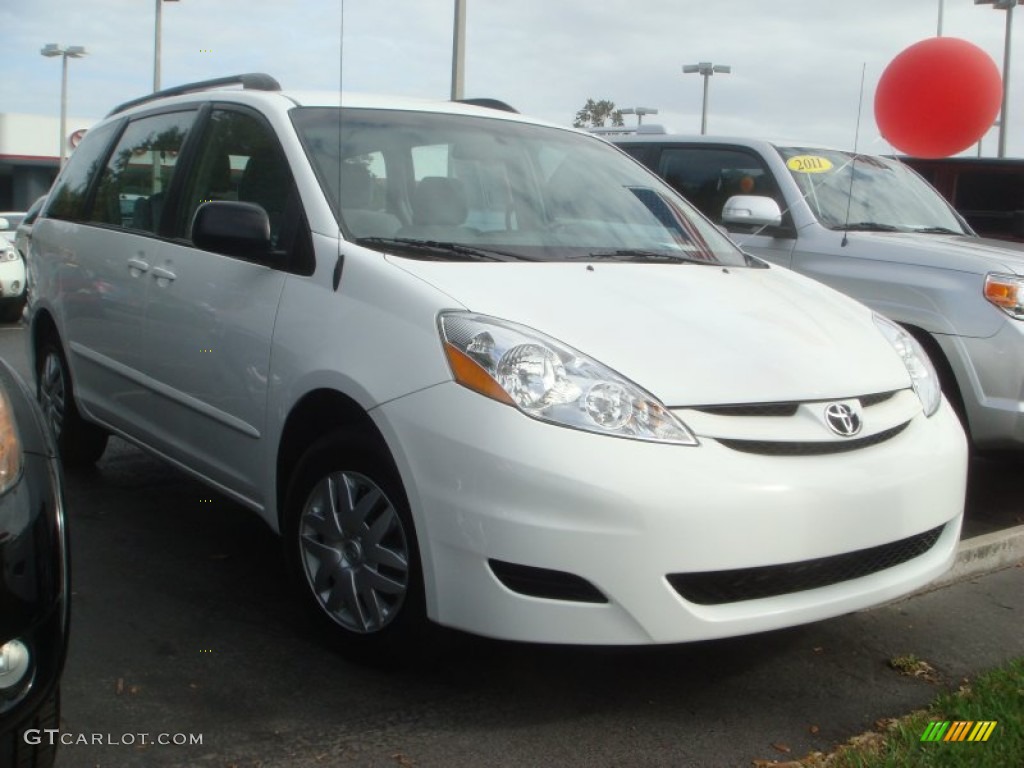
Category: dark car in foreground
[34,578]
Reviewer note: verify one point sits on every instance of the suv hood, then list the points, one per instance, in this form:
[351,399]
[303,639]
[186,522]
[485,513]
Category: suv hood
[963,253]
[689,334]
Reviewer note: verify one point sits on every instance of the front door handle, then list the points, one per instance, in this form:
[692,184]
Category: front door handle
[163,276]
[137,266]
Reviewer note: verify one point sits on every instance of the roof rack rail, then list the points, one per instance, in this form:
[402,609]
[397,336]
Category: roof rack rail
[256,81]
[488,103]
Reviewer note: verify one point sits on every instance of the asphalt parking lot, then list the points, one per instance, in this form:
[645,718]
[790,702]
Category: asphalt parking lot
[183,627]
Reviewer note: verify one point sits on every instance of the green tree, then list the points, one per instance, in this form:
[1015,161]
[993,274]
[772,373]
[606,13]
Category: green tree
[595,113]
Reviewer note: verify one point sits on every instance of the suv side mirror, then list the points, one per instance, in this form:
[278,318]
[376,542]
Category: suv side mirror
[232,228]
[752,211]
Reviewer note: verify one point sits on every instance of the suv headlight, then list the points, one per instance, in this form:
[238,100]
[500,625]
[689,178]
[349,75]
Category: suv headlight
[919,366]
[552,382]
[1007,293]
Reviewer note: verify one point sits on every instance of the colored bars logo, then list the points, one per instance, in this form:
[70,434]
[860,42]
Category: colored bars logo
[959,730]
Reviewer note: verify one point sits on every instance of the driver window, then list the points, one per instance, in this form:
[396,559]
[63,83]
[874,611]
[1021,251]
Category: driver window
[709,177]
[239,160]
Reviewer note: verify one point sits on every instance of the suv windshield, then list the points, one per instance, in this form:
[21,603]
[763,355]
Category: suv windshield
[457,187]
[867,192]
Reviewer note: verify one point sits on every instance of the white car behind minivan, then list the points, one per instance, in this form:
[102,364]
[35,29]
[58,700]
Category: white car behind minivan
[483,371]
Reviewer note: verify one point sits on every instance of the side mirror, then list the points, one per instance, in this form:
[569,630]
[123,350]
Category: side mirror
[752,211]
[233,229]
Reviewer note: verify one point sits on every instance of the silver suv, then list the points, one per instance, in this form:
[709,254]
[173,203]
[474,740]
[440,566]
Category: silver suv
[872,228]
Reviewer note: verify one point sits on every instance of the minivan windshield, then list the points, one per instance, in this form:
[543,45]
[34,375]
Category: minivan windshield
[459,187]
[867,192]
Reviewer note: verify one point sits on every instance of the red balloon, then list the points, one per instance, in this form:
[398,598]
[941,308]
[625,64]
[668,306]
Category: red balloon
[938,97]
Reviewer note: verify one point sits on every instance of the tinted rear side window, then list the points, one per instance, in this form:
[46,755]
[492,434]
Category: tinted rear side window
[133,187]
[68,198]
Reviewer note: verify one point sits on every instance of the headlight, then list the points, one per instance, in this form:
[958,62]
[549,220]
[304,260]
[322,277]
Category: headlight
[10,445]
[9,254]
[1007,293]
[922,372]
[552,382]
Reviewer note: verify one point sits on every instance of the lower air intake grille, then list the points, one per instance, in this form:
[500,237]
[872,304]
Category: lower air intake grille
[718,587]
[544,582]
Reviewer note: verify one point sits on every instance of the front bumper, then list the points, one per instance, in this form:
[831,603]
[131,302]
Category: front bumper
[34,575]
[487,483]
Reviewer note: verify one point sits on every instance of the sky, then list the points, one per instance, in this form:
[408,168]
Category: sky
[796,64]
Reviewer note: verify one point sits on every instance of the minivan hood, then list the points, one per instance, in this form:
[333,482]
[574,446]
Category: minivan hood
[963,253]
[689,334]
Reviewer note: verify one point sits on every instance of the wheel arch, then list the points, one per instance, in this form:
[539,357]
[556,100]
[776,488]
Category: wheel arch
[317,414]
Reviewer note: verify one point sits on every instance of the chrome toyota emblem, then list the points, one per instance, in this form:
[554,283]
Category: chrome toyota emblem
[842,419]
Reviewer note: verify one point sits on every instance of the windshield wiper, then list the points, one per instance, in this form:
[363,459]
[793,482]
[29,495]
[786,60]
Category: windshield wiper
[868,226]
[470,253]
[636,254]
[937,231]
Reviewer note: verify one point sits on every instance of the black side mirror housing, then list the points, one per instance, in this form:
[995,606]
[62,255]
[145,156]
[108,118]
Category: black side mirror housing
[233,229]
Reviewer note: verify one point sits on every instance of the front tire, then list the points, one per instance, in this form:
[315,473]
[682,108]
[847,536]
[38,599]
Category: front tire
[79,443]
[39,749]
[352,549]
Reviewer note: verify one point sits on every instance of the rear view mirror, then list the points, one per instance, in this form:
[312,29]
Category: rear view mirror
[232,228]
[752,211]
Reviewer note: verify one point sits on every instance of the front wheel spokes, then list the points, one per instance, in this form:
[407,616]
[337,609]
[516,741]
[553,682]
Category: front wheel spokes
[355,551]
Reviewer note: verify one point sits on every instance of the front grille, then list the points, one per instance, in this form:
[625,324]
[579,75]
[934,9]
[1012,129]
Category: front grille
[718,587]
[544,582]
[782,409]
[752,409]
[866,401]
[816,448]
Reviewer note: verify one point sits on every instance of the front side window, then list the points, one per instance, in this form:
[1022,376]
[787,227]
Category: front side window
[709,176]
[867,192]
[419,183]
[133,188]
[239,159]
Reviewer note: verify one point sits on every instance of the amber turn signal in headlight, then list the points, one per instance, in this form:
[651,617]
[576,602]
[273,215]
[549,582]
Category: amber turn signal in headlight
[1007,293]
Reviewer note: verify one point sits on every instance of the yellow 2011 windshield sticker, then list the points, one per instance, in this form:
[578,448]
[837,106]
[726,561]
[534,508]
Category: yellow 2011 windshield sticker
[809,164]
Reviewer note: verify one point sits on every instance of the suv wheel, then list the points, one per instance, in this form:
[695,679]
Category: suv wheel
[78,442]
[352,549]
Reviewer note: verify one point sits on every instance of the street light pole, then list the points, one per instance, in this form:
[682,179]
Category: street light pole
[705,69]
[639,112]
[1003,5]
[157,44]
[71,52]
[459,50]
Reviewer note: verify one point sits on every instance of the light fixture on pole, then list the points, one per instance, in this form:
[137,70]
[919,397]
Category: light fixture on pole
[639,112]
[157,44]
[71,52]
[1003,5]
[705,69]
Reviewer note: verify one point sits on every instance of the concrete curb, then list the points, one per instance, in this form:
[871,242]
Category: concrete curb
[983,554]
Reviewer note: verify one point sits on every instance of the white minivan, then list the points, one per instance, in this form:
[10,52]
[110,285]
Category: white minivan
[482,371]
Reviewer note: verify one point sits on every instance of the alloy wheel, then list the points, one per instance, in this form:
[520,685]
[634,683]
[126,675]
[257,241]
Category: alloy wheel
[354,551]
